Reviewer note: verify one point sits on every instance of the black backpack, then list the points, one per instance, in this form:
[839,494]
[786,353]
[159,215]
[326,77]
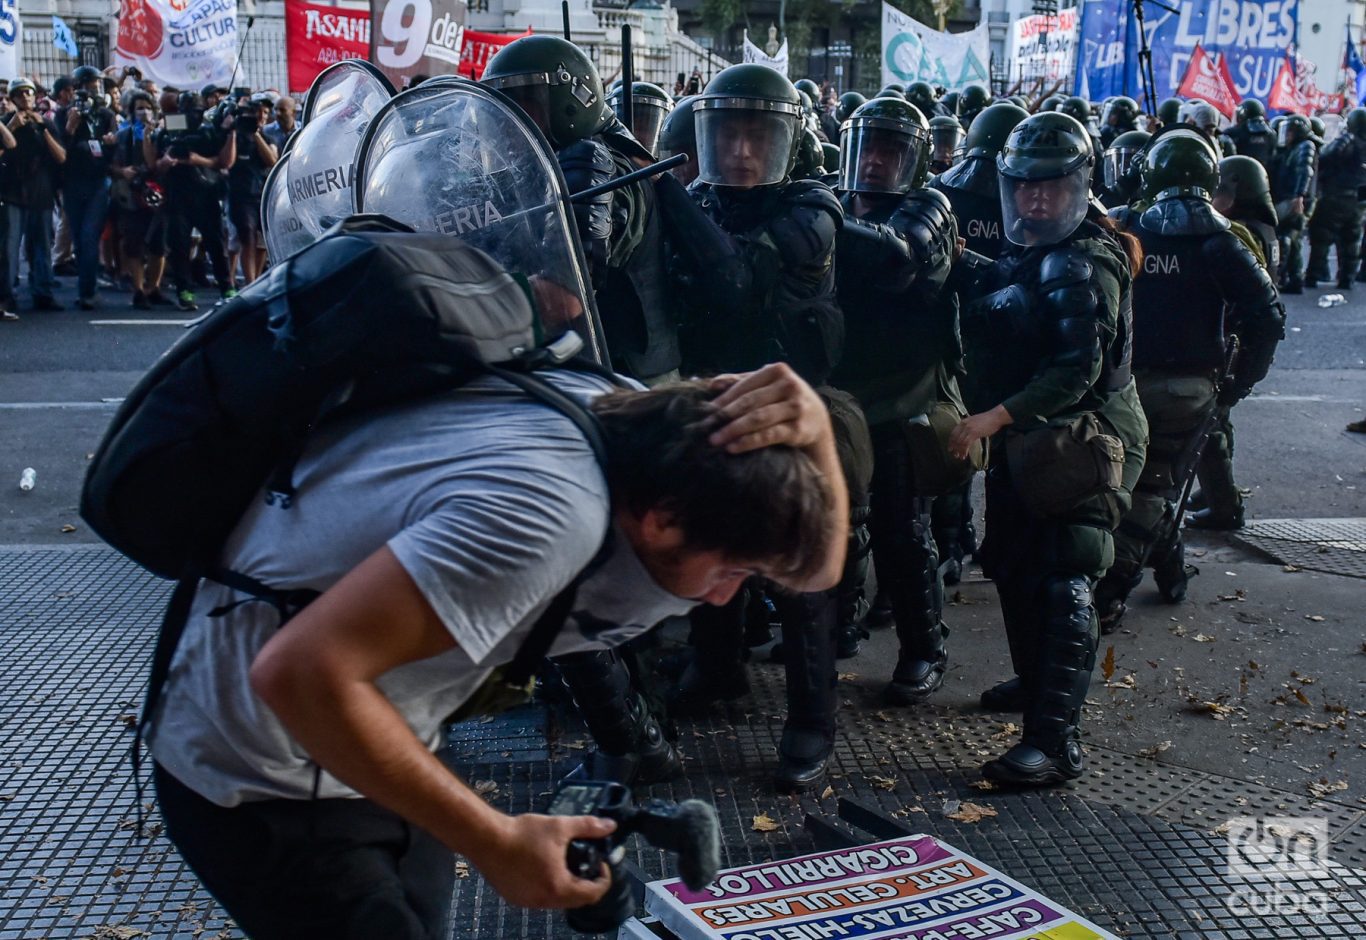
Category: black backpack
[371,314]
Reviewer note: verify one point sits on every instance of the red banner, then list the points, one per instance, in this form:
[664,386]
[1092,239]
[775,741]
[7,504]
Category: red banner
[317,36]
[1285,95]
[478,47]
[1210,82]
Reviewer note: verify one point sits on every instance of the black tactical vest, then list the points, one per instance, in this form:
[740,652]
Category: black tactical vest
[1178,309]
[978,211]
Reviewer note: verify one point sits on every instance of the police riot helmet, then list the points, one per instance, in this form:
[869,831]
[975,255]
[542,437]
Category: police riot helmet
[1245,188]
[1179,163]
[1051,103]
[921,94]
[1293,129]
[679,135]
[649,107]
[555,83]
[749,126]
[1169,111]
[974,98]
[1078,108]
[897,87]
[1119,157]
[883,148]
[1318,127]
[989,131]
[812,90]
[1045,173]
[1249,109]
[1122,110]
[849,102]
[950,102]
[891,91]
[1356,122]
[810,158]
[830,156]
[946,138]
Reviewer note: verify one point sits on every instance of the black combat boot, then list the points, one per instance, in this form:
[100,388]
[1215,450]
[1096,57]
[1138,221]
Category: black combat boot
[631,745]
[1112,595]
[809,666]
[1050,751]
[1210,519]
[1170,572]
[716,672]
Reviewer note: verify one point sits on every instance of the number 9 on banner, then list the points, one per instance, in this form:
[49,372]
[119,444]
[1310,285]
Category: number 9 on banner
[401,44]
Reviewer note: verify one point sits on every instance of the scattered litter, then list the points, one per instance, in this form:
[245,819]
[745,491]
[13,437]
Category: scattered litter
[1152,752]
[885,783]
[765,823]
[1322,787]
[1314,618]
[827,793]
[71,528]
[1331,300]
[973,812]
[27,479]
[485,787]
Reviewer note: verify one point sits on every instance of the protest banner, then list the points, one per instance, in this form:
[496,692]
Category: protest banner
[913,52]
[1044,46]
[1210,81]
[317,36]
[478,47]
[11,38]
[179,44]
[416,37]
[777,62]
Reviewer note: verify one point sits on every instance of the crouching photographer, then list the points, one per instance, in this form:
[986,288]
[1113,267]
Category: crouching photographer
[254,156]
[190,155]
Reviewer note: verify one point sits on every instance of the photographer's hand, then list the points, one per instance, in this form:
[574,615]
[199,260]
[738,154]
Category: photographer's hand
[73,120]
[527,864]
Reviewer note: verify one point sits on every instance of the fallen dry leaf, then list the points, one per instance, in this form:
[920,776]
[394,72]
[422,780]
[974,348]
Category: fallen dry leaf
[1107,667]
[1152,752]
[485,787]
[1203,638]
[1216,710]
[1315,618]
[827,793]
[71,528]
[1128,682]
[764,823]
[846,676]
[1322,787]
[1290,568]
[972,812]
[986,786]
[1299,694]
[113,932]
[884,783]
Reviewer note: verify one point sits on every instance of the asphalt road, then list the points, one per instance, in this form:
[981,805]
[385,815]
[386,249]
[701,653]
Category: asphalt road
[61,375]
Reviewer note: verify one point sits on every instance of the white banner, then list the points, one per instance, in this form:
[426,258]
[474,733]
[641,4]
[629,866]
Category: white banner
[776,62]
[1044,46]
[11,39]
[912,52]
[186,43]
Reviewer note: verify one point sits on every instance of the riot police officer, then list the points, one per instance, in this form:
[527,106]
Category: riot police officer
[1169,112]
[974,191]
[558,87]
[1200,285]
[810,163]
[1243,196]
[1252,135]
[1050,343]
[972,186]
[1293,188]
[896,249]
[1121,116]
[921,94]
[946,137]
[974,99]
[1337,220]
[1119,169]
[650,105]
[755,252]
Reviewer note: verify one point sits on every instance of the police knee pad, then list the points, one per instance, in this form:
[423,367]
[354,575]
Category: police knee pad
[1067,595]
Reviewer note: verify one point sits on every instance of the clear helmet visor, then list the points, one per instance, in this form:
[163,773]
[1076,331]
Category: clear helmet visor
[740,146]
[285,232]
[646,120]
[1044,212]
[945,143]
[458,158]
[879,159]
[340,105]
[1283,134]
[532,97]
[1116,165]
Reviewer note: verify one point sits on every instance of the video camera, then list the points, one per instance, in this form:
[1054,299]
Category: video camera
[87,103]
[688,828]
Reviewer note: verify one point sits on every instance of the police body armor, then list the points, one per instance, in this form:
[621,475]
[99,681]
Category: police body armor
[973,192]
[1259,145]
[764,289]
[1179,321]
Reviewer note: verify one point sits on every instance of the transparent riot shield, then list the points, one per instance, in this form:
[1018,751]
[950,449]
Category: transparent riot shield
[337,111]
[459,158]
[285,233]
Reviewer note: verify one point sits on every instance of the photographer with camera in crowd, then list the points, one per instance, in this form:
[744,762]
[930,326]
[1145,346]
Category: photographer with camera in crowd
[190,154]
[252,157]
[139,199]
[88,127]
[28,190]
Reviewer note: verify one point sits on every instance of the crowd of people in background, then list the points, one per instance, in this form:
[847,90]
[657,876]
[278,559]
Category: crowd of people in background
[131,187]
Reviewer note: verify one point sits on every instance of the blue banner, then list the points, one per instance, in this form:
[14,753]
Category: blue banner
[63,38]
[1254,34]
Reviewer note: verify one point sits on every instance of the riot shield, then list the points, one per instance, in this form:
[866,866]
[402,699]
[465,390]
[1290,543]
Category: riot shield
[285,233]
[337,111]
[460,158]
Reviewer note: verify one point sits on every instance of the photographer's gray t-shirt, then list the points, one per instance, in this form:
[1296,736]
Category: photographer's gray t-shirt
[491,502]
